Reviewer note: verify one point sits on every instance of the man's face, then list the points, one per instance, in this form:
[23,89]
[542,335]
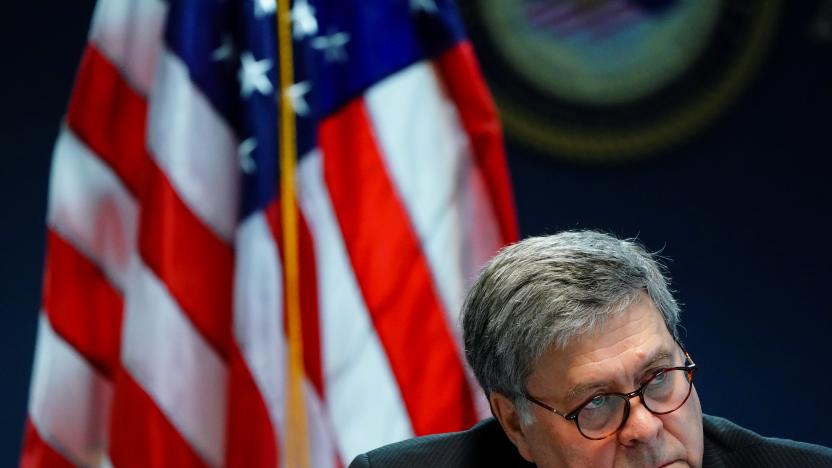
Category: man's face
[617,358]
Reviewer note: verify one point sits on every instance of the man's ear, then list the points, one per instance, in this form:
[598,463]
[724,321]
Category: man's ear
[509,418]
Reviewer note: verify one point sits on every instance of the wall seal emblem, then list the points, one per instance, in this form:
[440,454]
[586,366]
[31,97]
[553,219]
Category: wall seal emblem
[613,80]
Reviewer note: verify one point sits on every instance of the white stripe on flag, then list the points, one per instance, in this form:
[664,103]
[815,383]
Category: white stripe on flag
[90,208]
[194,146]
[258,328]
[129,33]
[427,156]
[362,394]
[69,402]
[479,225]
[183,375]
[322,450]
[258,316]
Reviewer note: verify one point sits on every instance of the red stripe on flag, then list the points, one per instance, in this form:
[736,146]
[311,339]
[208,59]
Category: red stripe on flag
[37,453]
[82,306]
[393,276]
[460,72]
[193,262]
[110,118]
[250,437]
[308,281]
[140,435]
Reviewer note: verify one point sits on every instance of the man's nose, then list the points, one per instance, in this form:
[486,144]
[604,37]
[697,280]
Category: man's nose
[641,427]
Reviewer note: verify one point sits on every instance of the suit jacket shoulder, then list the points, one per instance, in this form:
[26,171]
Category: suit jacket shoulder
[729,445]
[485,444]
[726,446]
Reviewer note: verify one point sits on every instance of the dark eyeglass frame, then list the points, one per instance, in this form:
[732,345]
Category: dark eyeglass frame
[639,392]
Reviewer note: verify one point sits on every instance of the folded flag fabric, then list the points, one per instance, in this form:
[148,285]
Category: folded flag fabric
[162,338]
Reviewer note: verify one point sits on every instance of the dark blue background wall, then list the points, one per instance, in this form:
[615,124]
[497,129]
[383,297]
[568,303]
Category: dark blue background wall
[742,210]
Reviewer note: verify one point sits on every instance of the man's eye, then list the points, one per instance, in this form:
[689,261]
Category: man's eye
[596,402]
[659,378]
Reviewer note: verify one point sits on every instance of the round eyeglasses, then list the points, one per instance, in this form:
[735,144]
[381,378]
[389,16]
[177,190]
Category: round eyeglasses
[602,415]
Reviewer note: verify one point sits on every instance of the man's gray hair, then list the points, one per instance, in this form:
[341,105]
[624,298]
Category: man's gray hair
[543,291]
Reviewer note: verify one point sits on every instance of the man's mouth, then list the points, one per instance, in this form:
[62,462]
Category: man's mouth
[670,463]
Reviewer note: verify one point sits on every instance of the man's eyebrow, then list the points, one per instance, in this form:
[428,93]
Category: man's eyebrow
[662,355]
[585,387]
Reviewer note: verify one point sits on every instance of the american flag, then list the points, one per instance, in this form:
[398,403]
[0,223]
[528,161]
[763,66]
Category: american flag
[162,338]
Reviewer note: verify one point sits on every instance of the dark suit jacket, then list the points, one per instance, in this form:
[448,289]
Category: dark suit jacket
[726,445]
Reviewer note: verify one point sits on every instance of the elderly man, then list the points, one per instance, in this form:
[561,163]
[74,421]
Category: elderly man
[573,337]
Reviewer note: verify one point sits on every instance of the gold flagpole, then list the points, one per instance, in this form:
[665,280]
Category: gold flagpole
[297,446]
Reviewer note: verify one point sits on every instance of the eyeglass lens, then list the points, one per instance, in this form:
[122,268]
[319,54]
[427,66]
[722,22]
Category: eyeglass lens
[664,393]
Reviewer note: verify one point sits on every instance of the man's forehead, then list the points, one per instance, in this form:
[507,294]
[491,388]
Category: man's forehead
[629,351]
[636,324]
[626,343]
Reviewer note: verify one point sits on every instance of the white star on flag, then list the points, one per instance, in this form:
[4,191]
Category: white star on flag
[244,153]
[333,46]
[264,7]
[296,93]
[303,19]
[428,6]
[225,51]
[252,75]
